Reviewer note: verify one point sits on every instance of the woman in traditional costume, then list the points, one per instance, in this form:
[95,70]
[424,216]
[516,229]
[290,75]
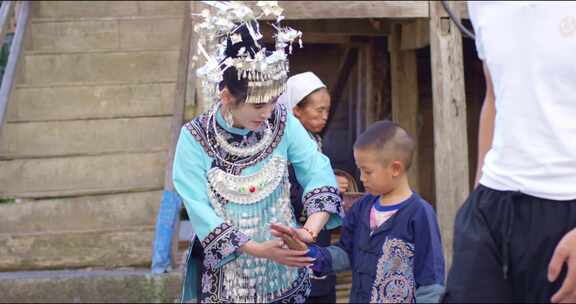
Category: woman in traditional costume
[231,168]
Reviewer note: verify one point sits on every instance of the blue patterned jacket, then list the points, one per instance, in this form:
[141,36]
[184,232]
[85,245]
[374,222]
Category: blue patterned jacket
[401,261]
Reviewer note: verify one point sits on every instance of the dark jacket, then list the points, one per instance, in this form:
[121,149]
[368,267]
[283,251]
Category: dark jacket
[401,260]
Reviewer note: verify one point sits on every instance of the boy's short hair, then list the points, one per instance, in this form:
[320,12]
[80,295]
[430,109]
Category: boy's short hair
[389,139]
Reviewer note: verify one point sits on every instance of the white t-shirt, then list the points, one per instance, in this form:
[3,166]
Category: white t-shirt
[530,50]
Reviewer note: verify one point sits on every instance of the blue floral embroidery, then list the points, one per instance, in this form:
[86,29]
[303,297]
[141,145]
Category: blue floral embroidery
[221,242]
[394,281]
[207,282]
[323,199]
[212,288]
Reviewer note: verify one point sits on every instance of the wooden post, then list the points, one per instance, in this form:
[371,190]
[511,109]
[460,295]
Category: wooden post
[360,101]
[178,117]
[369,86]
[450,141]
[404,87]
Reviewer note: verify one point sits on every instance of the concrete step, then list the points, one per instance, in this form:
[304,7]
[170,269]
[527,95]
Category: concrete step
[126,246]
[96,9]
[85,137]
[82,175]
[123,66]
[113,211]
[90,101]
[90,286]
[89,35]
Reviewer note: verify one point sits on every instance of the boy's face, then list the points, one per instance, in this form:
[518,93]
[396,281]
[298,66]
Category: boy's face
[378,175]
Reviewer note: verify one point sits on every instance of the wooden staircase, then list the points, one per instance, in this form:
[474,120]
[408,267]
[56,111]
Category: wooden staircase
[84,146]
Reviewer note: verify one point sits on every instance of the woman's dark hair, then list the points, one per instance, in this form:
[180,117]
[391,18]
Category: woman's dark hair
[239,87]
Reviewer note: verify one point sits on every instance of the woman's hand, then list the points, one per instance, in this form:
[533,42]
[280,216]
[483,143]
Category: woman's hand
[274,250]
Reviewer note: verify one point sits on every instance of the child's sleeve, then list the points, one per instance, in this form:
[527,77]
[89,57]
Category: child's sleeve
[429,259]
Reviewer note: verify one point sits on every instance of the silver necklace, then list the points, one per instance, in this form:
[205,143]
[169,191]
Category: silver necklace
[243,151]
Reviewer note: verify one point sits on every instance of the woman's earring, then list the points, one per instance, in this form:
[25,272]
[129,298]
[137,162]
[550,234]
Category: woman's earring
[229,118]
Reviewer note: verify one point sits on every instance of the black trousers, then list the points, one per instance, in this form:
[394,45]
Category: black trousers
[503,242]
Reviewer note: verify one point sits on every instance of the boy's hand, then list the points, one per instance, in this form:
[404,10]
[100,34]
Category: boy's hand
[279,230]
[274,251]
[565,252]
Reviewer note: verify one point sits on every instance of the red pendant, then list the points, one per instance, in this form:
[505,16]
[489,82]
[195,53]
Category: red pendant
[252,189]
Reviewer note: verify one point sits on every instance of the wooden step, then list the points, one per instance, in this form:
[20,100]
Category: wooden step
[112,211]
[85,137]
[90,101]
[122,66]
[90,286]
[121,247]
[82,175]
[89,35]
[95,9]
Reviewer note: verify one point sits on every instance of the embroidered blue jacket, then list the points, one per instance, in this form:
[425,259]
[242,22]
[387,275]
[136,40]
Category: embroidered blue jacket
[401,261]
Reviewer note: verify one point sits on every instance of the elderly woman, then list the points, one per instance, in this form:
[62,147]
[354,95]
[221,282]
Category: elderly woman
[307,97]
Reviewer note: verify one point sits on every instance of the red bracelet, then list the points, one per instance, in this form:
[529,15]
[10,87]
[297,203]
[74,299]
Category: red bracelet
[312,234]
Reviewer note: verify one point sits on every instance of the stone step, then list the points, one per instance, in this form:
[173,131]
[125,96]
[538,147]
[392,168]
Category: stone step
[90,101]
[85,137]
[112,211]
[96,9]
[82,175]
[126,246]
[90,286]
[146,33]
[122,66]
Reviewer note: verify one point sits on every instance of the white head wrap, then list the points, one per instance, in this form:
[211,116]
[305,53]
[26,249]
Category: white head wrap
[298,87]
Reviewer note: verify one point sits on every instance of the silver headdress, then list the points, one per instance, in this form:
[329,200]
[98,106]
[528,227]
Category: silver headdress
[266,71]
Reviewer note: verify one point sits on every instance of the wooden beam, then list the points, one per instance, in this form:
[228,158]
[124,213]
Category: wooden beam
[460,8]
[415,35]
[315,38]
[449,108]
[404,87]
[360,27]
[353,9]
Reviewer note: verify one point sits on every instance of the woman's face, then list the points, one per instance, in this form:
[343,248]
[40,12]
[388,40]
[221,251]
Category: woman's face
[246,116]
[251,116]
[314,113]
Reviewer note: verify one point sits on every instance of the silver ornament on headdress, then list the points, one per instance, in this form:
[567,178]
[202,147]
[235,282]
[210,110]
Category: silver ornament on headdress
[267,75]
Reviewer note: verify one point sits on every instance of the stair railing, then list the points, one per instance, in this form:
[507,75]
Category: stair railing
[20,10]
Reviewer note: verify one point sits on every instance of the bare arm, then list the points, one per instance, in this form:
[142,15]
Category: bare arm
[486,130]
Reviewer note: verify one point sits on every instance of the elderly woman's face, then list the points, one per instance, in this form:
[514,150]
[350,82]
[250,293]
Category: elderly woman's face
[314,113]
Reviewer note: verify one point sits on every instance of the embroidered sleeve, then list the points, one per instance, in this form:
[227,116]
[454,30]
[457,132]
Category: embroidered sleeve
[221,243]
[325,199]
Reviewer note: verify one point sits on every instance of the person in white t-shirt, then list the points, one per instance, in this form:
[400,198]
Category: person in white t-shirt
[515,237]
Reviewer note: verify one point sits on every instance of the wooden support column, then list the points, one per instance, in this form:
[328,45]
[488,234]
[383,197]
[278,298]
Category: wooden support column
[450,139]
[404,86]
[369,85]
[360,94]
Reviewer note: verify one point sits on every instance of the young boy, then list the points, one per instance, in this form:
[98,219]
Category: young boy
[390,238]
